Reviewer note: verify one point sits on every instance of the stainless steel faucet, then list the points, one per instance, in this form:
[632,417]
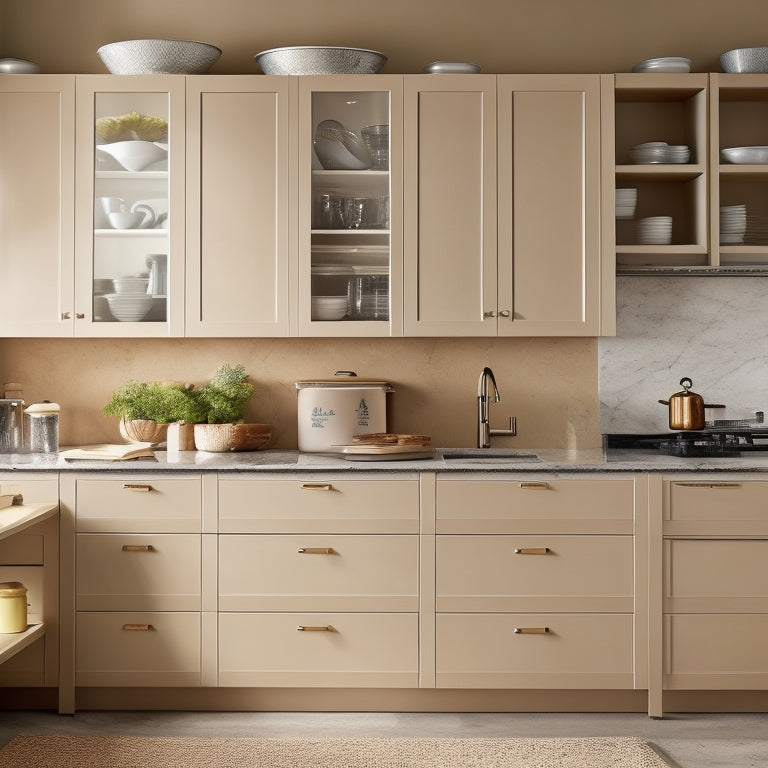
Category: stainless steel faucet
[484,400]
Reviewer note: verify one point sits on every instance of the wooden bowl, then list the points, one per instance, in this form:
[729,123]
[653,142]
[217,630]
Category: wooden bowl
[223,438]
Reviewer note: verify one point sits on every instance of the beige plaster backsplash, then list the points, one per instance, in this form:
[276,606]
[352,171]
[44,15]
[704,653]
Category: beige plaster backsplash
[550,385]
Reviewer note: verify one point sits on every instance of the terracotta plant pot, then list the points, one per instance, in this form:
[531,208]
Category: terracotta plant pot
[222,438]
[143,431]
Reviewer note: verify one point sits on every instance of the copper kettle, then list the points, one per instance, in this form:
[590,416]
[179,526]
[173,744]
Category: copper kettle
[686,408]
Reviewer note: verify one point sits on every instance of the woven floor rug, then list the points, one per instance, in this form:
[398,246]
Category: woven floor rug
[46,751]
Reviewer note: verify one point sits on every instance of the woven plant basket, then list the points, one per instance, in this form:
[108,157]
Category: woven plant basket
[143,431]
[223,438]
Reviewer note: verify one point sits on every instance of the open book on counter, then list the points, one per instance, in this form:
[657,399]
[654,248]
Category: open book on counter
[109,452]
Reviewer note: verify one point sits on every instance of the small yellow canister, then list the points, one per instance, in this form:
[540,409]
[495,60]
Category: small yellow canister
[13,607]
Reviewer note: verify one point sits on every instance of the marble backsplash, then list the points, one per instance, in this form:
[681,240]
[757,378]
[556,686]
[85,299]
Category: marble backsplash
[713,330]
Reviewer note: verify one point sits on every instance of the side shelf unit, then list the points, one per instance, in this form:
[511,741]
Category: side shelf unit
[673,109]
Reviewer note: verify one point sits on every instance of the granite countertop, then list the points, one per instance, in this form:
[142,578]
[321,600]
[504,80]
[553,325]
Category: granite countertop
[477,460]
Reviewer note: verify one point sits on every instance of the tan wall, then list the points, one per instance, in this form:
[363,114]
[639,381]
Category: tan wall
[550,385]
[500,35]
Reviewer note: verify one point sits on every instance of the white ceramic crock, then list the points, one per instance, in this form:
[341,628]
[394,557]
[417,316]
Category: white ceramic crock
[332,411]
[13,607]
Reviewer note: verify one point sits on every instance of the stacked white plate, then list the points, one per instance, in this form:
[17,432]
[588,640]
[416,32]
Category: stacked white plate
[329,307]
[659,152]
[733,224]
[677,153]
[664,64]
[626,200]
[655,230]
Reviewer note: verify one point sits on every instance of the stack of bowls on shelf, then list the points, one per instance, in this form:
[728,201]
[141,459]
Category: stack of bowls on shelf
[131,302]
[655,230]
[329,307]
[626,200]
[733,224]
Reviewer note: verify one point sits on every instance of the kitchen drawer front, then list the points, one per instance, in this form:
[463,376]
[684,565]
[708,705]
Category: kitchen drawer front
[716,576]
[535,504]
[716,651]
[715,506]
[138,649]
[139,504]
[578,651]
[535,573]
[31,486]
[318,506]
[335,650]
[336,572]
[138,572]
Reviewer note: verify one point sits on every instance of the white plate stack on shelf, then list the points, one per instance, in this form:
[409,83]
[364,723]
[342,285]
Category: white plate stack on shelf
[659,152]
[655,230]
[329,307]
[626,200]
[677,153]
[733,224]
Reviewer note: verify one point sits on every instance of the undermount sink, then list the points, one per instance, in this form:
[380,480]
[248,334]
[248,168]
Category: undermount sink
[495,455]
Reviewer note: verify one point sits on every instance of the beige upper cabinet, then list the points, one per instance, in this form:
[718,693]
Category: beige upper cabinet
[129,214]
[239,213]
[36,205]
[502,206]
[449,215]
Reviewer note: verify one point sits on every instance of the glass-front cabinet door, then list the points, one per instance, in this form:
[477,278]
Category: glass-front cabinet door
[129,228]
[350,206]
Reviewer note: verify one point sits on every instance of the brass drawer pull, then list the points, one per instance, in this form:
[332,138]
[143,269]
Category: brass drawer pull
[532,550]
[539,485]
[138,627]
[709,485]
[137,487]
[316,551]
[138,548]
[531,630]
[306,628]
[316,487]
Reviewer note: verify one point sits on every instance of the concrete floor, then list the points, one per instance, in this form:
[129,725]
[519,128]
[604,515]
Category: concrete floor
[686,740]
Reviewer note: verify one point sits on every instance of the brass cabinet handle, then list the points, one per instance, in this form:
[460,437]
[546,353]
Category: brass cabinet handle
[490,313]
[709,485]
[138,627]
[504,313]
[305,628]
[137,487]
[66,315]
[316,551]
[80,315]
[538,485]
[138,548]
[316,487]
[531,630]
[532,550]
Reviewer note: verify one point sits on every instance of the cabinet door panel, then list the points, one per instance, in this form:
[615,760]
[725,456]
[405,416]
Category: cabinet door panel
[36,206]
[549,205]
[238,211]
[449,203]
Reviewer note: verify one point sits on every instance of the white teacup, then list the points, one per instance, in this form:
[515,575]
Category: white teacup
[103,206]
[126,219]
[148,213]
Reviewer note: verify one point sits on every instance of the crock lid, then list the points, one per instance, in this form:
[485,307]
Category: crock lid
[345,379]
[12,589]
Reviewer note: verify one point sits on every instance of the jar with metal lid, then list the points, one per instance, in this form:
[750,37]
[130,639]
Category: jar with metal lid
[13,607]
[41,428]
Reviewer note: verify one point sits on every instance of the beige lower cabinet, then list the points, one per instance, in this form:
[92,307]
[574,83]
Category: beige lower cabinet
[715,557]
[521,608]
[319,582]
[138,574]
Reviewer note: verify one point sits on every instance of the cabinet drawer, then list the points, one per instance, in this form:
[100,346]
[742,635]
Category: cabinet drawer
[578,651]
[535,504]
[138,649]
[333,572]
[716,651]
[716,507]
[337,650]
[32,487]
[716,576]
[535,573]
[131,572]
[139,504]
[318,506]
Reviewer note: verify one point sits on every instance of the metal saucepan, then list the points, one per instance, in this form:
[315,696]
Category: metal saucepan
[686,408]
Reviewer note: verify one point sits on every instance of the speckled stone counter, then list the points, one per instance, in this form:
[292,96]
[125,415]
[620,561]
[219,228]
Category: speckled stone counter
[444,460]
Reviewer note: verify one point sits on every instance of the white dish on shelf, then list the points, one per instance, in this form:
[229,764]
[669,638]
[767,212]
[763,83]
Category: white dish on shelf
[677,64]
[452,68]
[18,67]
[136,155]
[745,155]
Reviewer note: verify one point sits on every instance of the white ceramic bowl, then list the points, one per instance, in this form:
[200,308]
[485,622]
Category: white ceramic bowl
[745,60]
[135,155]
[129,307]
[18,67]
[158,56]
[335,156]
[664,64]
[126,219]
[320,60]
[741,155]
[130,285]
